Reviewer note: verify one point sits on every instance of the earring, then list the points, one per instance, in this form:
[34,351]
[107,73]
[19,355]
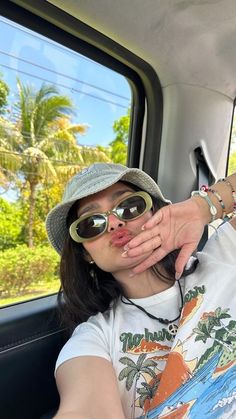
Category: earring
[91,262]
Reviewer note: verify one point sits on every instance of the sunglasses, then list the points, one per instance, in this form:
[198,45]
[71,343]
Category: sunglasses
[90,226]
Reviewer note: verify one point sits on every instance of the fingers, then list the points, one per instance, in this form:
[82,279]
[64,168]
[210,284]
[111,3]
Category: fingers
[139,239]
[155,257]
[183,258]
[160,253]
[143,237]
[144,242]
[151,232]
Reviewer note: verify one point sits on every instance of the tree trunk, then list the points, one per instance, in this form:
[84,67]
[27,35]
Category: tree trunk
[32,199]
[134,397]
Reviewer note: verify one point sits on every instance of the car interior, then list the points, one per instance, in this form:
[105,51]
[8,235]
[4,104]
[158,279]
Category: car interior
[179,58]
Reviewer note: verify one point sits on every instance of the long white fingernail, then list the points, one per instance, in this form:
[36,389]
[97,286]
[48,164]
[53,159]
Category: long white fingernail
[177,276]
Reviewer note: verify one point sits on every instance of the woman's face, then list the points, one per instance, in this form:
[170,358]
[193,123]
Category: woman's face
[107,249]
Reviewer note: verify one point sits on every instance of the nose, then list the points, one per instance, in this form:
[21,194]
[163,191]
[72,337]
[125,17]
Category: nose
[114,223]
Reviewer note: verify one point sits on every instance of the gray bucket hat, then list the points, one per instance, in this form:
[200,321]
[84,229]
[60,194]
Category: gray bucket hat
[95,178]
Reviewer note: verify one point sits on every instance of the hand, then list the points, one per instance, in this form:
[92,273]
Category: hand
[176,226]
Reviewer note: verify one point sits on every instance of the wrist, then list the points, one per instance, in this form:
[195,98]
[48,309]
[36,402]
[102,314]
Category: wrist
[212,209]
[203,208]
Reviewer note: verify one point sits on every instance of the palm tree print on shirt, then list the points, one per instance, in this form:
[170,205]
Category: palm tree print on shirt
[133,371]
[147,392]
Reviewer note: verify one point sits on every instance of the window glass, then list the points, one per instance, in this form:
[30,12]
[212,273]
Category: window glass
[232,152]
[59,112]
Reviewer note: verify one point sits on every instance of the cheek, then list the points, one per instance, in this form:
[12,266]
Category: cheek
[92,248]
[101,258]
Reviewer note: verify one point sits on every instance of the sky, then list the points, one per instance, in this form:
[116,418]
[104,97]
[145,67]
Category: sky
[100,95]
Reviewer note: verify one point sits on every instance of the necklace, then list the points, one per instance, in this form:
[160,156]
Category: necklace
[162,321]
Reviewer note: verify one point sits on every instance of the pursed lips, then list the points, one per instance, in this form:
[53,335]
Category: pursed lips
[121,237]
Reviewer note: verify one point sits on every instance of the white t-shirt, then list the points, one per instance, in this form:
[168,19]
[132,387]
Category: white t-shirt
[164,374]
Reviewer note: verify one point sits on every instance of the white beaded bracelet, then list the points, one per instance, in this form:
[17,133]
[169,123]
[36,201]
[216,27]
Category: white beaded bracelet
[212,208]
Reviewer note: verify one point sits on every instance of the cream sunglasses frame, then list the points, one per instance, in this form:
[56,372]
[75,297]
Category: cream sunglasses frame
[75,236]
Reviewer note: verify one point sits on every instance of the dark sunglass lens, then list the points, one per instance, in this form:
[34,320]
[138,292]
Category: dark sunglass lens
[91,226]
[131,207]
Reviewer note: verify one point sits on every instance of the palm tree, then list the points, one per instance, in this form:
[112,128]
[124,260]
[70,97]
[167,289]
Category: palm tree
[39,141]
[147,392]
[4,92]
[9,162]
[72,157]
[132,372]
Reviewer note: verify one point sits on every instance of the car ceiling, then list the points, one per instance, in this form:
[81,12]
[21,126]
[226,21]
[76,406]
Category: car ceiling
[185,41]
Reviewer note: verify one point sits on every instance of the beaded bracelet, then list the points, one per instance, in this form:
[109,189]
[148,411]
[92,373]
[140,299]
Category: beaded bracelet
[227,182]
[212,208]
[214,192]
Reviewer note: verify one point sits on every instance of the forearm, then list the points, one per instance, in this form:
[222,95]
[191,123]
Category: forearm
[71,415]
[225,190]
[232,179]
[83,394]
[79,415]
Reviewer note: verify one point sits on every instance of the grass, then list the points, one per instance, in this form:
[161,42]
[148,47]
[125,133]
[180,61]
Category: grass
[34,291]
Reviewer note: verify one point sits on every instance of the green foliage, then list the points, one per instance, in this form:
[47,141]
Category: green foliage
[10,224]
[22,266]
[39,231]
[119,145]
[4,92]
[232,163]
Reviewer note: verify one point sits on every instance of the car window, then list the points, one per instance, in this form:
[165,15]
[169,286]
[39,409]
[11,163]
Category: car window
[59,112]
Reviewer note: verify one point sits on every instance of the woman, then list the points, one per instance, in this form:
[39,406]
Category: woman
[133,355]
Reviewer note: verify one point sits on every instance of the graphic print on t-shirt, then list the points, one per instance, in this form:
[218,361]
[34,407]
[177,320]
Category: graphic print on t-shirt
[171,384]
[142,367]
[192,301]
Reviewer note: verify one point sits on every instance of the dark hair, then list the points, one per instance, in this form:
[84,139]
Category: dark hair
[87,289]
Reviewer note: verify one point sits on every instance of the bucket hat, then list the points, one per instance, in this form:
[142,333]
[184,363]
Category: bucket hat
[93,179]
